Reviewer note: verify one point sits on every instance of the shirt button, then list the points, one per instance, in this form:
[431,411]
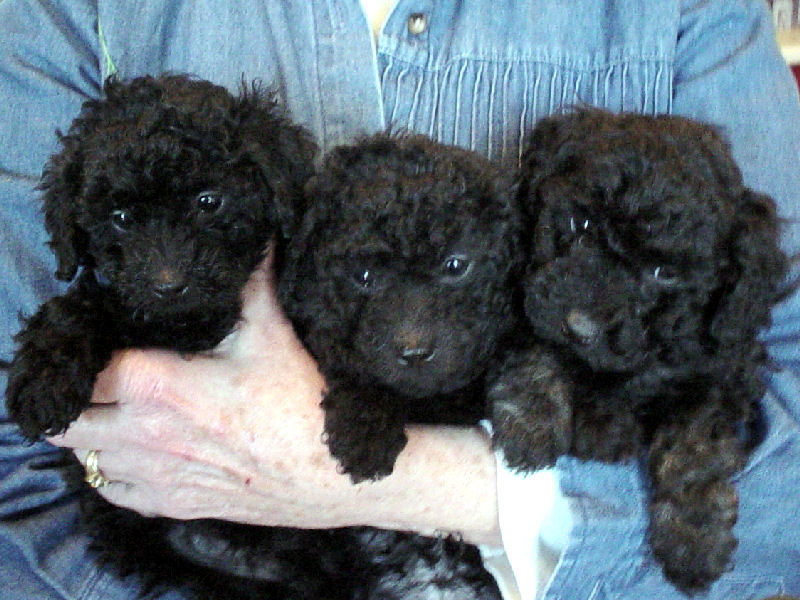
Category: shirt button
[417,23]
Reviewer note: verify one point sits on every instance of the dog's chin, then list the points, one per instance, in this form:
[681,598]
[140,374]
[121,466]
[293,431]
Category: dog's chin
[182,307]
[418,382]
[604,357]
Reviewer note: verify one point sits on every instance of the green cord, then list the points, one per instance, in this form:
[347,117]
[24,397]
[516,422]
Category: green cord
[111,68]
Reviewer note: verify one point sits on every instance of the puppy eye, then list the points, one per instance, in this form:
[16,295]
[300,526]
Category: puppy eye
[579,225]
[122,220]
[457,266]
[364,279]
[209,202]
[665,275]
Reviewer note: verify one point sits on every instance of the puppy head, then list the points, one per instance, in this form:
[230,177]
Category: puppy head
[647,247]
[401,271]
[170,188]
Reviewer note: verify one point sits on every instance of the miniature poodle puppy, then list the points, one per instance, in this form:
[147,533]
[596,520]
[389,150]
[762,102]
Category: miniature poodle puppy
[652,269]
[161,202]
[165,194]
[400,282]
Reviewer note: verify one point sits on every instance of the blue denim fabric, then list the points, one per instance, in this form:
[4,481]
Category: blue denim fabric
[479,75]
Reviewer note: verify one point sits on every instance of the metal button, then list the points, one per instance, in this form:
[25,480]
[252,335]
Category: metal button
[417,23]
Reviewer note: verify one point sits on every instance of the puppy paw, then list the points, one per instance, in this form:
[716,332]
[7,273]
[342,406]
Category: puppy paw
[364,431]
[60,351]
[44,397]
[531,411]
[691,534]
[605,430]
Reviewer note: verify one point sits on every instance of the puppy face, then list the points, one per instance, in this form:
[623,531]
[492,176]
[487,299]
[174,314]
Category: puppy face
[175,235]
[401,271]
[170,189]
[647,247]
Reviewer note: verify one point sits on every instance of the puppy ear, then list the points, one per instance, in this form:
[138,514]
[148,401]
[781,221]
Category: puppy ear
[757,269]
[283,151]
[287,171]
[297,267]
[61,184]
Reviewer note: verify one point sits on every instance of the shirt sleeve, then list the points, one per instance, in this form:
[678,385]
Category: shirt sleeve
[535,522]
[48,67]
[728,71]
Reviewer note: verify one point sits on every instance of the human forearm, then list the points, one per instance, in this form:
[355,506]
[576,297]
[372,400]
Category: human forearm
[444,480]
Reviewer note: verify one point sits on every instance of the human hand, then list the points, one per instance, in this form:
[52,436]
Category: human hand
[212,435]
[237,435]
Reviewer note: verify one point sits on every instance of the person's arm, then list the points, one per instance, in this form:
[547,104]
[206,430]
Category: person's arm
[48,67]
[729,71]
[252,450]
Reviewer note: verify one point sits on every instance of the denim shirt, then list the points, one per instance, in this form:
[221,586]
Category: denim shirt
[476,73]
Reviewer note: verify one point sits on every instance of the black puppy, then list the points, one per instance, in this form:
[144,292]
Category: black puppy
[162,201]
[400,282]
[652,269]
[165,195]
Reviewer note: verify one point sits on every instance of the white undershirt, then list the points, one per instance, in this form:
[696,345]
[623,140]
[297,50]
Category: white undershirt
[376,11]
[535,524]
[534,516]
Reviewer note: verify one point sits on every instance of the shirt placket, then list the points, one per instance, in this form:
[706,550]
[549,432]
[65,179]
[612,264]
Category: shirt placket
[349,90]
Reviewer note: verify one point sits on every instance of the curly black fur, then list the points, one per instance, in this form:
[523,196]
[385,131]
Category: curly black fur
[400,283]
[652,270]
[166,193]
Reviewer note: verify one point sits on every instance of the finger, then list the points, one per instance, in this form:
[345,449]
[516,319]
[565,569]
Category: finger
[164,470]
[127,495]
[260,293]
[132,382]
[94,427]
[94,475]
[174,502]
[264,328]
[115,466]
[134,375]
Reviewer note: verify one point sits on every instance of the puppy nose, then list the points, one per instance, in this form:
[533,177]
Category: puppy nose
[413,347]
[581,327]
[415,356]
[169,283]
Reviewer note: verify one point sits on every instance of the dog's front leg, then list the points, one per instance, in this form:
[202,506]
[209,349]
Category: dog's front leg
[694,504]
[364,428]
[61,348]
[530,400]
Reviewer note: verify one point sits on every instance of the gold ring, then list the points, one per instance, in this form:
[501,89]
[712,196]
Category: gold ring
[94,477]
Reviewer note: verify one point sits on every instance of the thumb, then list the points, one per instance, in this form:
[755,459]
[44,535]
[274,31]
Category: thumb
[264,328]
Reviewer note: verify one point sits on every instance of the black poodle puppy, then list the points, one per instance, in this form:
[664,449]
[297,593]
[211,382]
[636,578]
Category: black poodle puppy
[400,282]
[164,195]
[162,201]
[652,270]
